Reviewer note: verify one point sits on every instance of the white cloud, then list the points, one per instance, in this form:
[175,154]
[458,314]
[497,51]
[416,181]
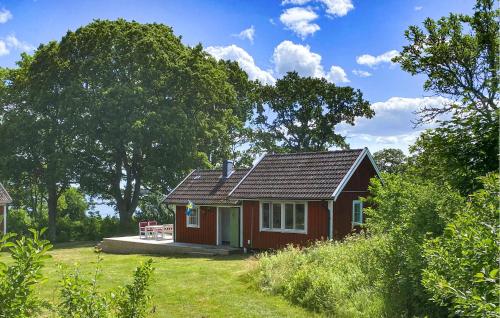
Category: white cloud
[271,20]
[361,73]
[244,60]
[379,142]
[248,34]
[295,2]
[338,8]
[289,56]
[337,75]
[5,15]
[13,42]
[299,20]
[371,61]
[418,8]
[3,48]
[393,123]
[411,104]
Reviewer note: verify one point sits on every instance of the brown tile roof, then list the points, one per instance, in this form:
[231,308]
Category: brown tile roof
[206,187]
[4,196]
[311,175]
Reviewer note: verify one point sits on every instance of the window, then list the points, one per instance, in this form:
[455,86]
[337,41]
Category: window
[283,216]
[276,216]
[357,212]
[266,213]
[193,220]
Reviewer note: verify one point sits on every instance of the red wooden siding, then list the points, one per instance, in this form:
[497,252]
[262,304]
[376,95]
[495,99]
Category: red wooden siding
[356,187]
[1,217]
[205,234]
[317,227]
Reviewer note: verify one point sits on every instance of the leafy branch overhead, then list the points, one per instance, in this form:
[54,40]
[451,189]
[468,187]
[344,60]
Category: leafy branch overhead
[460,56]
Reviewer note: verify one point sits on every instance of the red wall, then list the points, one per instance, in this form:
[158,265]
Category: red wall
[317,227]
[356,187]
[205,234]
[317,218]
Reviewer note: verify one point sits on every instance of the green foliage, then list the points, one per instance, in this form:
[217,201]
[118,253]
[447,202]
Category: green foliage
[459,54]
[409,210]
[300,114]
[390,160]
[80,297]
[152,207]
[457,153]
[18,281]
[340,279]
[133,300]
[462,269]
[72,203]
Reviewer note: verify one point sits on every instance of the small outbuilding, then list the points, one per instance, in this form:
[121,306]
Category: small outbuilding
[5,200]
[284,198]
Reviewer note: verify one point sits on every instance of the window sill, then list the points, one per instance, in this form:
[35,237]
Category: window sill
[193,226]
[284,231]
[356,224]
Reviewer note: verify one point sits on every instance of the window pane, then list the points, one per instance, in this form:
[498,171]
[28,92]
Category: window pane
[357,212]
[300,216]
[288,216]
[276,216]
[265,215]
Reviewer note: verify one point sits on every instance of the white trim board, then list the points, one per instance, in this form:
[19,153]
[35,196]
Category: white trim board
[353,169]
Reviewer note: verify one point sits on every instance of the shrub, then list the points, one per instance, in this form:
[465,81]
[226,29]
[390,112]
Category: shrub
[339,279]
[80,297]
[133,300]
[17,281]
[462,270]
[407,211]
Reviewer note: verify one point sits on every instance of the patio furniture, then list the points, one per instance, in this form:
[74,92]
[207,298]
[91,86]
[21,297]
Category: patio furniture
[154,231]
[142,229]
[149,230]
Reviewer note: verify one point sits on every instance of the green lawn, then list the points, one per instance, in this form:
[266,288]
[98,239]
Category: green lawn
[181,286]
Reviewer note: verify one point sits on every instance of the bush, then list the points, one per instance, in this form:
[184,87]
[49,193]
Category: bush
[407,211]
[80,296]
[462,270]
[18,281]
[339,279]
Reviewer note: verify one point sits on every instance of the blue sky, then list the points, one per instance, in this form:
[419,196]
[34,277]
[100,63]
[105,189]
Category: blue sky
[347,41]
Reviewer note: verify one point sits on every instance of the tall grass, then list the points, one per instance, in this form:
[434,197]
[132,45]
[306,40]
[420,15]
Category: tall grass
[341,279]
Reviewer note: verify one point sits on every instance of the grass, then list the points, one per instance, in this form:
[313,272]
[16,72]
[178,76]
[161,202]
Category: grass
[181,286]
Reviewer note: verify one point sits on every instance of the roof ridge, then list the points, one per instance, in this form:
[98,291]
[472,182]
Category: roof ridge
[313,152]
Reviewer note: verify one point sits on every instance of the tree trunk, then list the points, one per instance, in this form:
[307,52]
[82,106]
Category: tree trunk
[52,207]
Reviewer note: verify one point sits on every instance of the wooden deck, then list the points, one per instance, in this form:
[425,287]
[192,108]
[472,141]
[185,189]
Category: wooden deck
[136,245]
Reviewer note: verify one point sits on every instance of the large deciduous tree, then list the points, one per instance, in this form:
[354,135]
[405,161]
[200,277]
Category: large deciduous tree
[459,54]
[300,114]
[390,160]
[148,108]
[36,147]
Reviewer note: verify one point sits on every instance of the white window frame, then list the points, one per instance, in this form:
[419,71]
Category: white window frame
[188,223]
[282,229]
[354,202]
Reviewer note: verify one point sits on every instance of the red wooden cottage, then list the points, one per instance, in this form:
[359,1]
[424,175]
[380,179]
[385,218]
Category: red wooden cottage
[5,199]
[284,198]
